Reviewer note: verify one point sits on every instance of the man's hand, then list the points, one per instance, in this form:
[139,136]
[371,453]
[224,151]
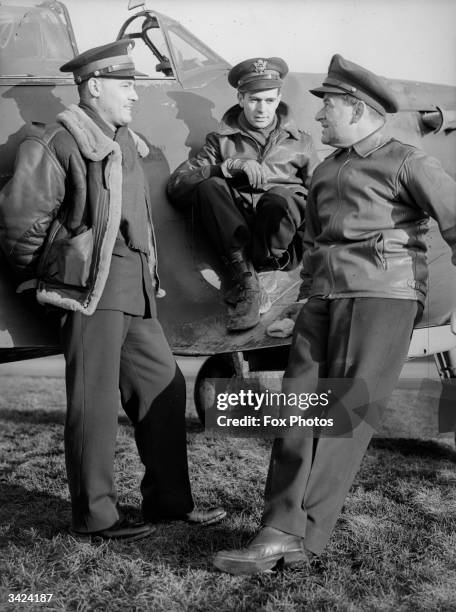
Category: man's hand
[453,322]
[253,170]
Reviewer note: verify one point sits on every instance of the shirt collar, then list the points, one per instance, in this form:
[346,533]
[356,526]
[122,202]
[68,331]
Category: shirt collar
[230,125]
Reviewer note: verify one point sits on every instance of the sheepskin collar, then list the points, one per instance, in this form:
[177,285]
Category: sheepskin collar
[91,140]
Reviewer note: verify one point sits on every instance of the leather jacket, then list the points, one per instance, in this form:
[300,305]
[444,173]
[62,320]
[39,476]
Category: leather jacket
[367,214]
[288,158]
[60,212]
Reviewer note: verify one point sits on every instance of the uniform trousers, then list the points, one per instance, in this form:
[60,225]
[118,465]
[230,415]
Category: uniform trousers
[361,340]
[264,232]
[104,353]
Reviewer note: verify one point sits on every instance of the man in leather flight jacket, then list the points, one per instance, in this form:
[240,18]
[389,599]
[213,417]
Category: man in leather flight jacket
[365,274]
[249,183]
[76,224]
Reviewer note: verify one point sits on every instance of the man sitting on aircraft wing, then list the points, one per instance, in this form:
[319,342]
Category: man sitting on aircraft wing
[249,184]
[365,270]
[76,225]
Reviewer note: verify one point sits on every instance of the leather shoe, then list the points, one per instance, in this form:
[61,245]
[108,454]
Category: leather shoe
[205,517]
[123,530]
[263,553]
[195,517]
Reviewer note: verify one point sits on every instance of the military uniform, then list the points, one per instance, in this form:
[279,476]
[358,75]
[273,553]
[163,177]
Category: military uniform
[251,228]
[79,229]
[122,346]
[364,273]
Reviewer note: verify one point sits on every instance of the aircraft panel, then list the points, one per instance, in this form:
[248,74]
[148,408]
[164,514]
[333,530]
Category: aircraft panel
[173,115]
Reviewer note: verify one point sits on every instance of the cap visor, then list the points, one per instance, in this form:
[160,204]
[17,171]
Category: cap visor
[122,74]
[261,85]
[321,91]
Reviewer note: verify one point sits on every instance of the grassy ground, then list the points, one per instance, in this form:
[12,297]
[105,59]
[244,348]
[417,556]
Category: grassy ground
[394,547]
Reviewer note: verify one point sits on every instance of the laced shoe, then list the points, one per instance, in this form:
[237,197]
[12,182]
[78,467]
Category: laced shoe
[246,313]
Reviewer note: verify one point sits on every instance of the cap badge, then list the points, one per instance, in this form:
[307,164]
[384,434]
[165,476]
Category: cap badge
[260,66]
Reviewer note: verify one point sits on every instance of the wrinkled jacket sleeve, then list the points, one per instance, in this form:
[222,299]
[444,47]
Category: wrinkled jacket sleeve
[189,174]
[312,230]
[313,161]
[28,204]
[433,190]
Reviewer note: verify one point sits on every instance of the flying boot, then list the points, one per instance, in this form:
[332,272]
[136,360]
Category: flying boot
[245,298]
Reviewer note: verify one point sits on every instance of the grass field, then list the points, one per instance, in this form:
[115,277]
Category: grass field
[394,547]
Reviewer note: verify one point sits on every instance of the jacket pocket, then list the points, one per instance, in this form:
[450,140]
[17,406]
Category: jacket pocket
[378,247]
[69,259]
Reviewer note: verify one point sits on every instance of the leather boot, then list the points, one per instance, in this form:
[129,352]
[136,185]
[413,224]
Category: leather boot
[245,313]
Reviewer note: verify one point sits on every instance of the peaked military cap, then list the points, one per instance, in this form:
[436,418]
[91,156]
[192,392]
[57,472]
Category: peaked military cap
[258,73]
[111,60]
[347,77]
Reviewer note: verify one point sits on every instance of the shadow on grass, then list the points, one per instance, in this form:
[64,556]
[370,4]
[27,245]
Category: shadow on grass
[44,417]
[24,514]
[418,448]
[57,417]
[182,547]
[27,515]
[193,425]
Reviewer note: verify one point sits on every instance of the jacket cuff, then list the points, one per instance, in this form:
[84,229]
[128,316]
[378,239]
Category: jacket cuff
[27,285]
[212,170]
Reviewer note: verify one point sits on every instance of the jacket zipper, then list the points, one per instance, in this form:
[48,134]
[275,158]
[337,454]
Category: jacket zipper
[271,143]
[331,276]
[332,224]
[262,156]
[259,158]
[257,146]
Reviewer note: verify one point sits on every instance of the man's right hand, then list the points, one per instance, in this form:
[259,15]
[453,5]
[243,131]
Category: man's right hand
[253,170]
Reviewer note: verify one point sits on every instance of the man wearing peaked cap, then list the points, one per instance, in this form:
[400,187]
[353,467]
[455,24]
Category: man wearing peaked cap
[112,60]
[76,225]
[258,74]
[365,279]
[345,77]
[249,186]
